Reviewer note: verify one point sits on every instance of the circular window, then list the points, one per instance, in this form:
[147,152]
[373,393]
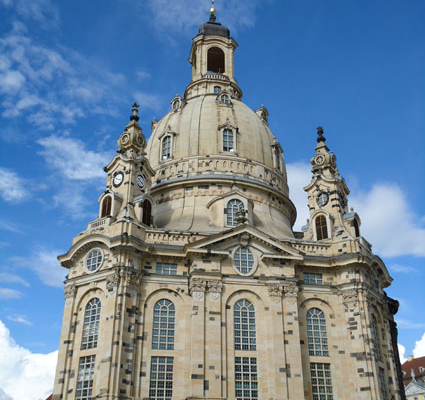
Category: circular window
[243,261]
[94,260]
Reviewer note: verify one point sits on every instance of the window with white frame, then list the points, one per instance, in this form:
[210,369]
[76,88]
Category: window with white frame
[228,140]
[94,260]
[312,279]
[316,333]
[166,269]
[244,325]
[161,378]
[85,378]
[233,206]
[225,99]
[166,147]
[383,384]
[91,324]
[243,260]
[375,337]
[321,381]
[217,89]
[246,378]
[163,325]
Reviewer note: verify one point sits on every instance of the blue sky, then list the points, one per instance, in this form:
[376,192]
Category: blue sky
[69,72]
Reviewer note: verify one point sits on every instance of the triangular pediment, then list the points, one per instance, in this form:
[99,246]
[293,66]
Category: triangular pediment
[414,388]
[243,235]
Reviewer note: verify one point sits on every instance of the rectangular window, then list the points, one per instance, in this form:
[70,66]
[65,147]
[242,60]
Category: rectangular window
[313,279]
[85,378]
[228,140]
[246,378]
[161,378]
[321,383]
[382,384]
[166,269]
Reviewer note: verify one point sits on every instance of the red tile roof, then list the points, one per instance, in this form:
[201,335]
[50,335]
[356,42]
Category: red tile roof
[50,397]
[418,366]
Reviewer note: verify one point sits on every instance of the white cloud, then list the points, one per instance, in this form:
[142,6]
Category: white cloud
[402,269]
[45,264]
[70,158]
[407,324]
[401,352]
[4,396]
[149,101]
[419,350]
[6,293]
[7,277]
[51,85]
[299,176]
[10,226]
[24,375]
[20,319]
[388,221]
[187,15]
[12,187]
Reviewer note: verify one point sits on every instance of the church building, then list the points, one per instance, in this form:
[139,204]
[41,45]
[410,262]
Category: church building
[191,283]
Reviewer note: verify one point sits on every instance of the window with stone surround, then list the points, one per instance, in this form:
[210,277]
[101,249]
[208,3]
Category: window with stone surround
[383,384]
[312,279]
[244,326]
[232,208]
[161,378]
[217,89]
[85,378]
[91,324]
[243,260]
[166,268]
[375,337]
[246,378]
[321,227]
[166,147]
[316,333]
[163,325]
[228,140]
[321,381]
[106,207]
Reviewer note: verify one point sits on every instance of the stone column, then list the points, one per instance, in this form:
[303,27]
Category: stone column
[293,367]
[197,288]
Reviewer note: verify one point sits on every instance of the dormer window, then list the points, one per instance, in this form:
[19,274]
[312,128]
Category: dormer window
[106,207]
[321,227]
[233,206]
[166,147]
[225,99]
[228,140]
[217,89]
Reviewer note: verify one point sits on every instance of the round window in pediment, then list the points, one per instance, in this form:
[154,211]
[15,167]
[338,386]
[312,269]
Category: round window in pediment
[243,261]
[94,260]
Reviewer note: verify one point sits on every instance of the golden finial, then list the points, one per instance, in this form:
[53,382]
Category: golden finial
[212,11]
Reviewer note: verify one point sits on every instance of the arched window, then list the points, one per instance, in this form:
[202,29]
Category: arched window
[316,333]
[166,147]
[225,99]
[321,227]
[233,206]
[163,325]
[243,260]
[217,89]
[176,104]
[244,326]
[228,141]
[147,212]
[375,337]
[91,324]
[106,207]
[356,228]
[215,61]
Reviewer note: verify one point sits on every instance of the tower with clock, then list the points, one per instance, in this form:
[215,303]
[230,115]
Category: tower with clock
[191,283]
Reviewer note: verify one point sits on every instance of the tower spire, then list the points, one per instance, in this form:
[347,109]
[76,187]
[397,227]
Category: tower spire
[212,12]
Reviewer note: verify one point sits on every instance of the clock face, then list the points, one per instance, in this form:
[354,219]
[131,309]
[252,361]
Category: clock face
[140,182]
[322,199]
[319,159]
[124,138]
[118,178]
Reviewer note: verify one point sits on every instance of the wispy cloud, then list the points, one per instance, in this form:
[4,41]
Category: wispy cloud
[142,74]
[149,101]
[402,269]
[70,158]
[6,293]
[407,324]
[20,319]
[12,186]
[7,277]
[45,265]
[44,11]
[48,85]
[10,226]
